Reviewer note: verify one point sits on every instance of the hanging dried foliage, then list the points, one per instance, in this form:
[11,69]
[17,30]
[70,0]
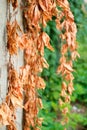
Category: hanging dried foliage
[14,3]
[15,38]
[36,14]
[13,100]
[69,45]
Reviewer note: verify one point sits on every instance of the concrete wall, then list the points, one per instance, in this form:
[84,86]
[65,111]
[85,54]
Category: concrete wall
[85,1]
[18,61]
[3,55]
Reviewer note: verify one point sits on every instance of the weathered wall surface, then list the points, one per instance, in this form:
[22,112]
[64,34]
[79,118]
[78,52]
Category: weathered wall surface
[3,55]
[85,1]
[17,60]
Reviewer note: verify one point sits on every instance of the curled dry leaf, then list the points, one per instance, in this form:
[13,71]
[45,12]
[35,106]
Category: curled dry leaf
[65,110]
[24,73]
[61,102]
[67,99]
[43,41]
[39,102]
[74,55]
[46,41]
[63,93]
[44,62]
[13,77]
[6,117]
[40,83]
[36,16]
[15,38]
[17,92]
[39,121]
[63,3]
[16,101]
[23,41]
[64,49]
[69,77]
[60,69]
[37,128]
[63,59]
[43,5]
[70,88]
[68,67]
[12,36]
[64,86]
[65,121]
[14,3]
[32,16]
[48,10]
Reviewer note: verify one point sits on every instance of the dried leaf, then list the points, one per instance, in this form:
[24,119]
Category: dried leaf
[23,41]
[43,41]
[16,102]
[64,86]
[65,110]
[68,67]
[14,3]
[40,83]
[5,115]
[46,41]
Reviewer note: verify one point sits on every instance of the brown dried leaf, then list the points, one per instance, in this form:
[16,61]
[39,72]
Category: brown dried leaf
[39,102]
[23,41]
[63,59]
[46,41]
[16,102]
[68,67]
[61,102]
[67,99]
[14,3]
[60,69]
[17,92]
[43,5]
[65,110]
[44,63]
[70,88]
[12,36]
[43,41]
[36,16]
[63,93]
[64,49]
[64,86]
[39,121]
[74,55]
[5,115]
[40,83]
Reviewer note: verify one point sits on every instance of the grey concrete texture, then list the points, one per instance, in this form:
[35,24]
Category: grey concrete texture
[16,60]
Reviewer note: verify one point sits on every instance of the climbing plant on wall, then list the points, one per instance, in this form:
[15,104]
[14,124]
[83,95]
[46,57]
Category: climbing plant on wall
[23,86]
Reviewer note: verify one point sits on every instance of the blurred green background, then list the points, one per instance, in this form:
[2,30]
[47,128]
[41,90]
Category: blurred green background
[78,108]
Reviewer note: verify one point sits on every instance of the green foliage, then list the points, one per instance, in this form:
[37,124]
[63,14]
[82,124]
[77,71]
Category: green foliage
[80,12]
[51,94]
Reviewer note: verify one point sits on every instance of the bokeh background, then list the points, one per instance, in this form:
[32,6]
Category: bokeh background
[78,108]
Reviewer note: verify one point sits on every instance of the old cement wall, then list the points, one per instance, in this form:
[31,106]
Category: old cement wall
[18,61]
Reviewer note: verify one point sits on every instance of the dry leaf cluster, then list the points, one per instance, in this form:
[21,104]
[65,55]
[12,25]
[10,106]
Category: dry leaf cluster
[66,64]
[23,87]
